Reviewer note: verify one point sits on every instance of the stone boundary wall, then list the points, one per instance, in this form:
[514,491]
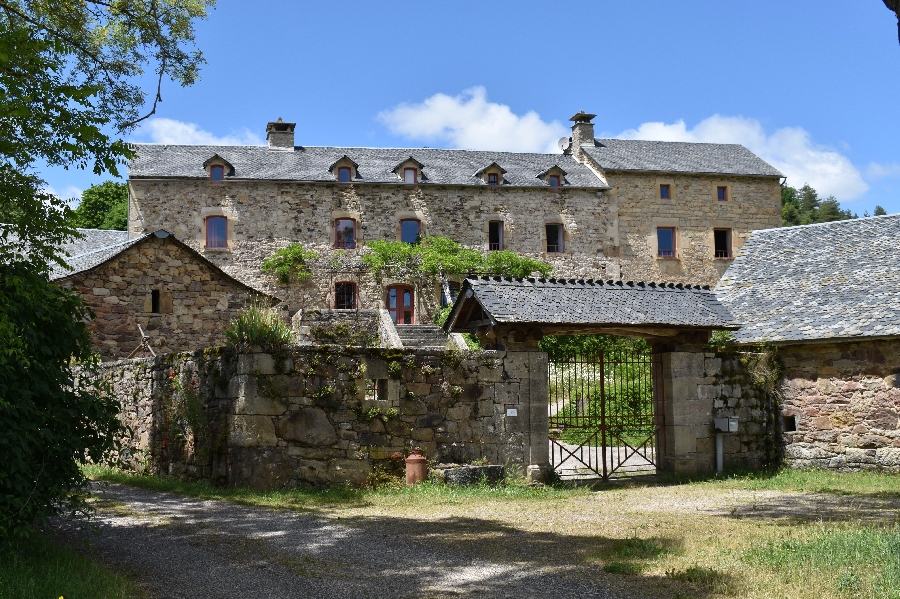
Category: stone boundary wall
[326,415]
[843,399]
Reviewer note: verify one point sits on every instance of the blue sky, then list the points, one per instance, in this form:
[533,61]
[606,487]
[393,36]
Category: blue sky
[809,85]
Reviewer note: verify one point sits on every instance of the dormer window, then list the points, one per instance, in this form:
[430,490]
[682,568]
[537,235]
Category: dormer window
[344,169]
[217,172]
[217,167]
[410,175]
[554,177]
[410,171]
[492,174]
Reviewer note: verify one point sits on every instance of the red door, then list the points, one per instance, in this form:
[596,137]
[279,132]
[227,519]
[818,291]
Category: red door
[401,304]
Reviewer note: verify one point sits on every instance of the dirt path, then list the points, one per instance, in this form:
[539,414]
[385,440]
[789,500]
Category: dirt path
[187,548]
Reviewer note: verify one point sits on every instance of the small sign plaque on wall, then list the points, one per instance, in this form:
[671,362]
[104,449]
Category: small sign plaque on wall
[512,412]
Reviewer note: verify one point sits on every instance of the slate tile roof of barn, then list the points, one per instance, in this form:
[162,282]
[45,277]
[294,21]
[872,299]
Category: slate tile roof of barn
[822,281]
[678,157]
[591,302]
[448,167]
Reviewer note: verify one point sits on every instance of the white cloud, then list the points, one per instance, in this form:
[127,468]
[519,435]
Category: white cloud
[789,149]
[70,194]
[883,171]
[470,121]
[170,131]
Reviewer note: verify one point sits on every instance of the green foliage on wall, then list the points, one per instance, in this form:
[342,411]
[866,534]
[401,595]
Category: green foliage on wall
[258,325]
[290,263]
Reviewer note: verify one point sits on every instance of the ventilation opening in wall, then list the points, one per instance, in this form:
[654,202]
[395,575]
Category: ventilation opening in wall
[790,423]
[154,301]
[376,389]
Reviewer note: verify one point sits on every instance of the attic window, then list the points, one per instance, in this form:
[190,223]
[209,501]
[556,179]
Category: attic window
[344,174]
[553,180]
[410,175]
[493,179]
[217,172]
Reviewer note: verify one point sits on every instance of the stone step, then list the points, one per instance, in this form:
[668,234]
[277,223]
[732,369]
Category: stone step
[421,335]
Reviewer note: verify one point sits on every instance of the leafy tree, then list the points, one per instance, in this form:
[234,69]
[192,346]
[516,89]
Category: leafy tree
[804,206]
[50,424]
[291,262]
[879,211]
[103,206]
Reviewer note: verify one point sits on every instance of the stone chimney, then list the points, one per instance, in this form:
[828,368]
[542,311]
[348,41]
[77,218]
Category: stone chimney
[582,133]
[280,134]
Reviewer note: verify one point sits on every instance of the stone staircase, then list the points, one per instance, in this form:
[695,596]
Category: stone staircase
[422,335]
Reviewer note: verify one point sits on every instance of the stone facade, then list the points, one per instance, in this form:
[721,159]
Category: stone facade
[181,302]
[327,415]
[843,401]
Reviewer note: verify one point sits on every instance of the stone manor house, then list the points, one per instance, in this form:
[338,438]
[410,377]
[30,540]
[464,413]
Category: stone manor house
[603,209]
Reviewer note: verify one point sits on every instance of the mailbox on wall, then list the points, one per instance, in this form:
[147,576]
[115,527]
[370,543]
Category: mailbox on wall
[726,425]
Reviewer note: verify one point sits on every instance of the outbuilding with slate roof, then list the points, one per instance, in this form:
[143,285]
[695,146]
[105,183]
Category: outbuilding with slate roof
[180,299]
[828,296]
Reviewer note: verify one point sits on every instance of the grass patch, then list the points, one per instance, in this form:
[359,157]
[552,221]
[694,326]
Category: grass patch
[861,562]
[36,568]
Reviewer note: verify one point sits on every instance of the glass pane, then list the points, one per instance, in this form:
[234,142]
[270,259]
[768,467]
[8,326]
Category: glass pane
[407,298]
[394,317]
[409,231]
[664,192]
[345,233]
[721,192]
[665,239]
[216,232]
[392,299]
[217,173]
[409,175]
[554,181]
[407,317]
[344,175]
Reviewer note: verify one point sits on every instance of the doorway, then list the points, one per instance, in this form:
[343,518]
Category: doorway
[401,304]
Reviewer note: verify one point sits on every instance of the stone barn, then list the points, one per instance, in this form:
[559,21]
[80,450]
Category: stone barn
[828,297]
[180,299]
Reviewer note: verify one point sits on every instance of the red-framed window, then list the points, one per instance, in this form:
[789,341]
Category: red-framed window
[493,179]
[401,304]
[553,180]
[344,174]
[554,238]
[665,242]
[410,175]
[216,232]
[410,230]
[722,193]
[665,192]
[217,172]
[495,235]
[345,233]
[722,242]
[345,296]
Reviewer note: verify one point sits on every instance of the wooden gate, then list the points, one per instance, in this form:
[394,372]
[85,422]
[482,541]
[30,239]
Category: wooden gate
[606,412]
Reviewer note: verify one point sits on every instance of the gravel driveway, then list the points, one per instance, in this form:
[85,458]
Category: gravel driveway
[189,548]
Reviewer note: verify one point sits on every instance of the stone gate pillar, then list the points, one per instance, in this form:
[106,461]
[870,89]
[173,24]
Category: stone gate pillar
[688,414]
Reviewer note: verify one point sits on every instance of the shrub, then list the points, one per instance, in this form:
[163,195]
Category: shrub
[258,325]
[290,262]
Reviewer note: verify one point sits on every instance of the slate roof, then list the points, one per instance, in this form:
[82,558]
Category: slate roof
[97,256]
[588,302]
[444,167]
[678,157]
[836,280]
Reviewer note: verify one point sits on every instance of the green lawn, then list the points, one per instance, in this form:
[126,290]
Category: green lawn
[36,568]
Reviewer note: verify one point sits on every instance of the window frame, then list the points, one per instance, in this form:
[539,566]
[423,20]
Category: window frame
[337,244]
[728,245]
[206,223]
[493,179]
[668,191]
[557,179]
[415,175]
[398,310]
[418,233]
[348,170]
[724,195]
[561,246]
[673,253]
[501,245]
[216,167]
[353,295]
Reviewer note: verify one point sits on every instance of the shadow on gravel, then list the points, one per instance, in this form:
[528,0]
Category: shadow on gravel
[185,547]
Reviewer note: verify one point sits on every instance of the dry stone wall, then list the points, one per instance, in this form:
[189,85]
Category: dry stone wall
[843,400]
[195,302]
[323,415]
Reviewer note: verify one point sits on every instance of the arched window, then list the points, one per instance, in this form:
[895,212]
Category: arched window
[216,232]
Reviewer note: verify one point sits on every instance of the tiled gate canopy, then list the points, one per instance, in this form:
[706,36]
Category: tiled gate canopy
[560,306]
